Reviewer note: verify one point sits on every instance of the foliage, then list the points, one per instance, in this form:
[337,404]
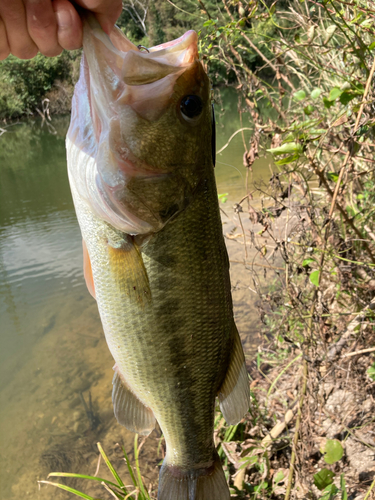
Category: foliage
[24,83]
[117,489]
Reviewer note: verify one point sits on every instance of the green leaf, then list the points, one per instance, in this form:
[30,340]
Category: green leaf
[308,110]
[210,22]
[329,33]
[344,495]
[371,46]
[316,93]
[71,490]
[334,93]
[367,23]
[110,466]
[346,97]
[289,147]
[288,159]
[329,492]
[299,95]
[223,197]
[139,476]
[314,277]
[131,473]
[333,451]
[82,476]
[308,261]
[279,476]
[327,103]
[371,371]
[332,176]
[323,478]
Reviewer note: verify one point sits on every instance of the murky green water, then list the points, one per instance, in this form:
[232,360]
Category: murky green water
[52,348]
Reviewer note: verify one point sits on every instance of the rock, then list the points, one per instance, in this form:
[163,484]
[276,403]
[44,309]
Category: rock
[80,385]
[79,427]
[331,428]
[77,415]
[75,402]
[361,458]
[340,402]
[367,405]
[325,389]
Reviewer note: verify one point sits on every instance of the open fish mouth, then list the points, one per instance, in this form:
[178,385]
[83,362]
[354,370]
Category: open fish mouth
[132,112]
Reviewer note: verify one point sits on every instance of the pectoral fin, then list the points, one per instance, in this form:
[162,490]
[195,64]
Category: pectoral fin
[129,410]
[234,394]
[128,270]
[87,270]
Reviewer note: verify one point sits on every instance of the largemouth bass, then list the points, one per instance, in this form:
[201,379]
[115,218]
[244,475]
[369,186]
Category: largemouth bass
[142,179]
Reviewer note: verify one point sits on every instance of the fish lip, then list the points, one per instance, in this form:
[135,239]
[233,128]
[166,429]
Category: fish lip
[175,43]
[190,38]
[188,42]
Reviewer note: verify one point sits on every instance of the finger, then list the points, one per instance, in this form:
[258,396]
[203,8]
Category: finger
[42,26]
[14,18]
[4,46]
[107,11]
[69,33]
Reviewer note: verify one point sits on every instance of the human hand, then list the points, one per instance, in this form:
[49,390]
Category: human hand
[48,26]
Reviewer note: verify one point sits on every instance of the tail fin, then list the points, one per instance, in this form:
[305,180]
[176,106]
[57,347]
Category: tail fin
[196,484]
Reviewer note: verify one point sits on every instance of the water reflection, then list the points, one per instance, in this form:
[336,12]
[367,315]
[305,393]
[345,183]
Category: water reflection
[52,348]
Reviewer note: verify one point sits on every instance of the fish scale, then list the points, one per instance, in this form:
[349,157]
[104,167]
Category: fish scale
[154,252]
[199,337]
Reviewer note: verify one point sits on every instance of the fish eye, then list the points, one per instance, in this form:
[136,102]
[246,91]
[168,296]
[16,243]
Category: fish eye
[191,106]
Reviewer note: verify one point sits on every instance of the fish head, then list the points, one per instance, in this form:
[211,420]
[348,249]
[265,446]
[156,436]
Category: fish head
[141,128]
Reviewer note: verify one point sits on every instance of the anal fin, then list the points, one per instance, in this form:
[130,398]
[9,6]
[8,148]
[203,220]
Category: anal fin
[129,410]
[234,394]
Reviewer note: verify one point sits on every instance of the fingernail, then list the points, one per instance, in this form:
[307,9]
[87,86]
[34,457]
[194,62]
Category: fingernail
[64,19]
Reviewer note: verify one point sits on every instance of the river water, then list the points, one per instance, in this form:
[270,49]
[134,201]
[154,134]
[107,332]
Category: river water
[52,349]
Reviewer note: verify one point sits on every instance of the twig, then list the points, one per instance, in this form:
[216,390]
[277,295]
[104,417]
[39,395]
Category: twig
[370,490]
[343,212]
[333,417]
[204,8]
[334,350]
[98,465]
[108,489]
[369,232]
[280,426]
[243,231]
[254,47]
[282,372]
[232,136]
[259,265]
[362,351]
[296,434]
[342,170]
